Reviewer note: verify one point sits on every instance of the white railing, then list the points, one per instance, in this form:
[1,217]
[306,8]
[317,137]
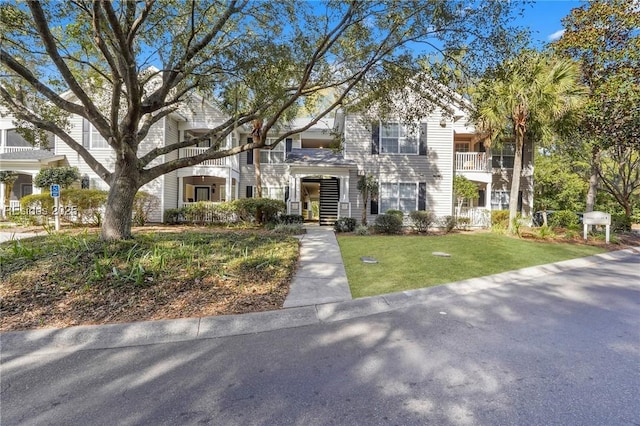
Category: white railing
[6,149]
[193,151]
[473,162]
[478,217]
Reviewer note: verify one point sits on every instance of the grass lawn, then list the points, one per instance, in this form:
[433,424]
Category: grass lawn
[406,262]
[67,279]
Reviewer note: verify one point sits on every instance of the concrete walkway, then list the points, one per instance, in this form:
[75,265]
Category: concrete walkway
[320,277]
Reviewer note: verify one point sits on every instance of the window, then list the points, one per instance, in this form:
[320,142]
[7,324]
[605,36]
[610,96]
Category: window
[395,139]
[97,141]
[271,192]
[275,155]
[499,200]
[462,147]
[398,196]
[504,158]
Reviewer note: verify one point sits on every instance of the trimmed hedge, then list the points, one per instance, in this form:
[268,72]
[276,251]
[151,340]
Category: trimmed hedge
[388,224]
[422,220]
[344,224]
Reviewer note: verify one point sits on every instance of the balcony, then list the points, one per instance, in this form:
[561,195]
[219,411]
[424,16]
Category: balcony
[473,162]
[193,151]
[8,149]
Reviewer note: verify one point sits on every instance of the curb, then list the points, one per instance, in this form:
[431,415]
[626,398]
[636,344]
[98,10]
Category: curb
[48,341]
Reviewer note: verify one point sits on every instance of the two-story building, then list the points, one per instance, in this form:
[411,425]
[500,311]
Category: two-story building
[315,171]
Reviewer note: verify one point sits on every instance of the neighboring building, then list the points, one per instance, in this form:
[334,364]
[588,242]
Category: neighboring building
[315,175]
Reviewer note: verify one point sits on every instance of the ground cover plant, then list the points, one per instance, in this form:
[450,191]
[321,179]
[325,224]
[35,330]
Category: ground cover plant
[70,279]
[406,262]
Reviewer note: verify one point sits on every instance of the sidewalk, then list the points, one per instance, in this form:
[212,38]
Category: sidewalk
[320,277]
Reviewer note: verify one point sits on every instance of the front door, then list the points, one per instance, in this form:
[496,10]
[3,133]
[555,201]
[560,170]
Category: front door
[202,193]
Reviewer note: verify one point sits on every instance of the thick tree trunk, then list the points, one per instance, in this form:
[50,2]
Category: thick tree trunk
[119,208]
[515,182]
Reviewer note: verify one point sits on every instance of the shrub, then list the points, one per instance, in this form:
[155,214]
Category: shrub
[64,176]
[500,218]
[344,224]
[620,222]
[361,230]
[289,219]
[544,232]
[88,203]
[563,219]
[143,204]
[174,216]
[449,223]
[34,209]
[388,224]
[289,228]
[394,212]
[248,208]
[463,223]
[422,220]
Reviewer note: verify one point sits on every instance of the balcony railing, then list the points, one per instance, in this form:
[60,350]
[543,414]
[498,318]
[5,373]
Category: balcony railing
[193,151]
[473,162]
[7,149]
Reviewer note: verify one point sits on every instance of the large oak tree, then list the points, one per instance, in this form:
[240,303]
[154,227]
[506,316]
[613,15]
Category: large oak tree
[125,65]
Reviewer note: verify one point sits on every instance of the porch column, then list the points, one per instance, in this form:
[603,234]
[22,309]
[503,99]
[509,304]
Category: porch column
[487,196]
[227,186]
[2,206]
[344,189]
[35,190]
[180,192]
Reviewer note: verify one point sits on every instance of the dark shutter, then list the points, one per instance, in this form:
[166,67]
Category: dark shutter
[375,138]
[422,148]
[86,129]
[520,201]
[250,152]
[422,195]
[481,198]
[288,145]
[249,193]
[286,193]
[374,206]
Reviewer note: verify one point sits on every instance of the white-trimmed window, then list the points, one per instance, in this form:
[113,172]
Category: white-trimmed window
[96,140]
[275,155]
[398,196]
[396,139]
[499,200]
[462,146]
[503,158]
[272,192]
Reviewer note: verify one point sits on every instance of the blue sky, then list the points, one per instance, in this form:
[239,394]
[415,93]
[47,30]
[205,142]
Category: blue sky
[544,18]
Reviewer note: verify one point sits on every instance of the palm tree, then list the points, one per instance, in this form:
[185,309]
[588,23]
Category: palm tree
[528,95]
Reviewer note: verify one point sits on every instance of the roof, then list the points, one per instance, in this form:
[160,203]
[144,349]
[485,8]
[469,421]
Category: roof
[317,157]
[29,154]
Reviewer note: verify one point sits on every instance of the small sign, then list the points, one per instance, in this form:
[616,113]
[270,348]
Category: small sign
[596,218]
[55,190]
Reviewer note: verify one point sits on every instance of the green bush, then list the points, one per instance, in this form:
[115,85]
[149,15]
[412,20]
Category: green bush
[248,208]
[361,230]
[174,216]
[398,213]
[388,224]
[143,204]
[500,218]
[422,220]
[345,224]
[289,228]
[87,203]
[463,223]
[289,219]
[620,222]
[63,176]
[564,219]
[34,209]
[449,223]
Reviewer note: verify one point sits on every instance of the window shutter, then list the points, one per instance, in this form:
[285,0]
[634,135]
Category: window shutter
[249,193]
[481,198]
[422,148]
[288,145]
[422,195]
[86,130]
[374,207]
[375,138]
[286,193]
[250,152]
[520,201]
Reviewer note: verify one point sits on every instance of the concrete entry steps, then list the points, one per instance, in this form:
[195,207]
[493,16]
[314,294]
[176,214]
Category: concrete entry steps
[320,277]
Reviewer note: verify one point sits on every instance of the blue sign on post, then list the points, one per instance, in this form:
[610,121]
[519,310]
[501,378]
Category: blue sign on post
[55,190]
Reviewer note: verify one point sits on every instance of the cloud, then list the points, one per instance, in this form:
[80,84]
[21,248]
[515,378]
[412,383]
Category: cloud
[555,36]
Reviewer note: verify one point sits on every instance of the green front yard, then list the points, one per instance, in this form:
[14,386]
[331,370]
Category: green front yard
[406,262]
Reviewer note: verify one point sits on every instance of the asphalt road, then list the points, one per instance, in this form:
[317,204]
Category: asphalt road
[559,350]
